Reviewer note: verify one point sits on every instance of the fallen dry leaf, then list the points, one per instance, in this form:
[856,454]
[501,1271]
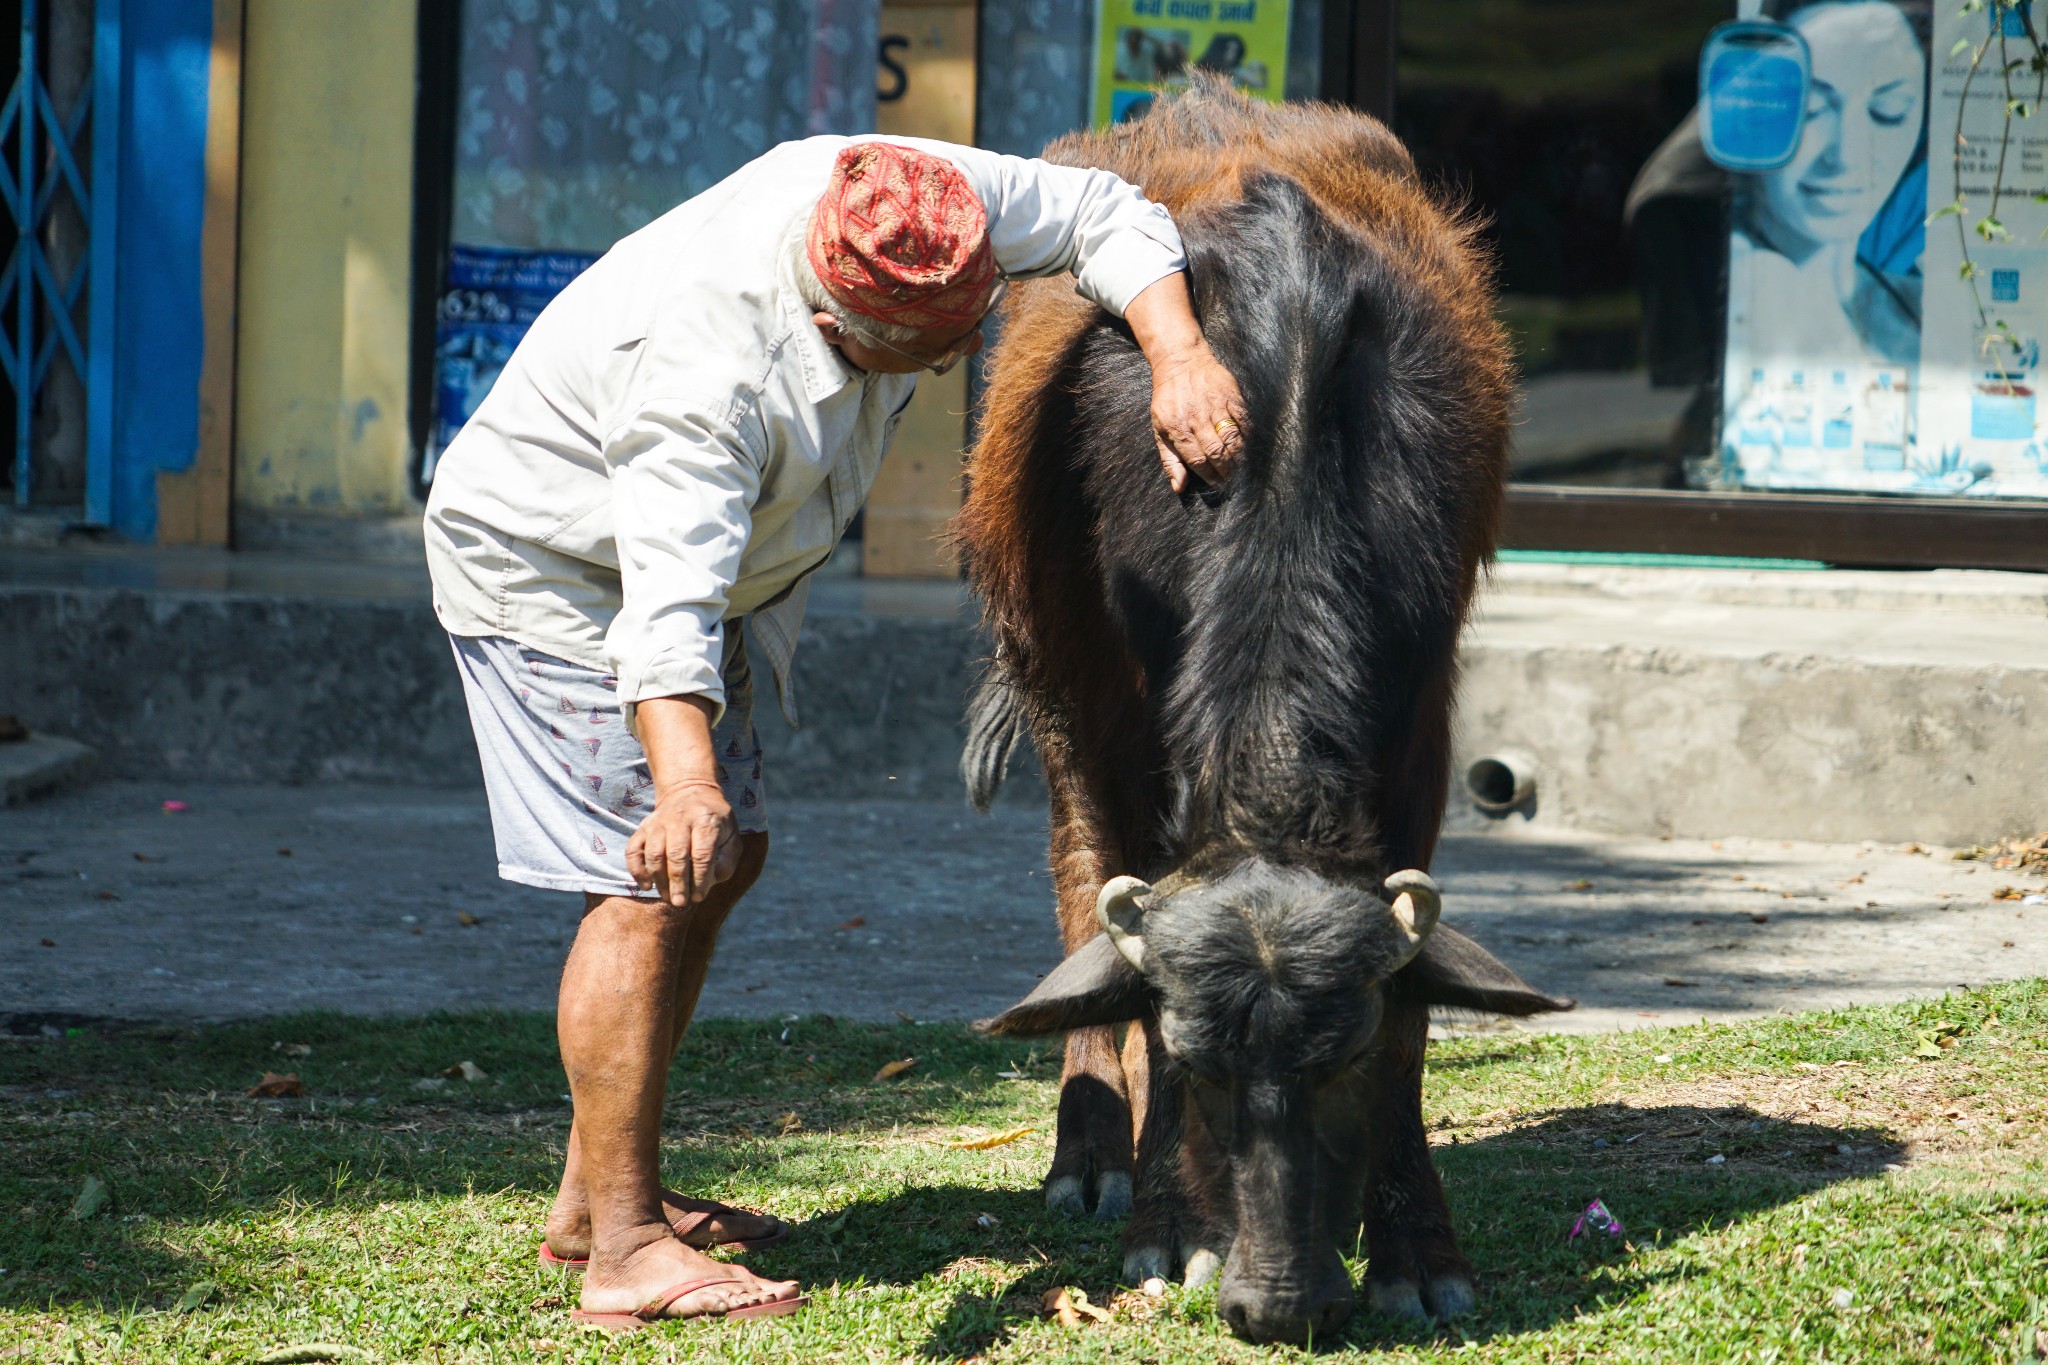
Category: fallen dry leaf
[1679,981]
[856,922]
[891,1070]
[105,896]
[1582,884]
[2006,893]
[93,1196]
[466,920]
[274,1087]
[789,1123]
[1071,1306]
[995,1140]
[466,1071]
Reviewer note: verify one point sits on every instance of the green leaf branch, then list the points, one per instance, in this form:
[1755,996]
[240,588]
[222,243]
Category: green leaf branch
[2012,68]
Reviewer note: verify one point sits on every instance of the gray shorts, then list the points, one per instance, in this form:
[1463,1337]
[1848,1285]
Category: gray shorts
[567,782]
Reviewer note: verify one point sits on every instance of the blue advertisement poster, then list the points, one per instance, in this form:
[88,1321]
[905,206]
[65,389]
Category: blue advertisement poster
[1822,380]
[1872,347]
[492,296]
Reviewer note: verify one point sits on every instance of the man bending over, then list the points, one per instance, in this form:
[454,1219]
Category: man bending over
[622,535]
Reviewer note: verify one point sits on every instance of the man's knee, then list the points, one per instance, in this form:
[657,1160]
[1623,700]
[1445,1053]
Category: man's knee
[753,857]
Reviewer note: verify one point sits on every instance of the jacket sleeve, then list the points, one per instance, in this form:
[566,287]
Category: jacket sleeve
[1045,219]
[684,480]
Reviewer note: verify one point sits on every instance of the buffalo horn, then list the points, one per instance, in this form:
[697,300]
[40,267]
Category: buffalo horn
[1413,896]
[1123,917]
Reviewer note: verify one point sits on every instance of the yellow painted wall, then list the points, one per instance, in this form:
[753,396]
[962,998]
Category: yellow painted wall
[326,256]
[917,490]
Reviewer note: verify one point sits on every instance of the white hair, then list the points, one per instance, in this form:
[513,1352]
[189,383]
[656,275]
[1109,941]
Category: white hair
[819,300]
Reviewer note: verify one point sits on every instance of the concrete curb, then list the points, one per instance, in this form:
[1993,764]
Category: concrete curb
[1730,707]
[41,765]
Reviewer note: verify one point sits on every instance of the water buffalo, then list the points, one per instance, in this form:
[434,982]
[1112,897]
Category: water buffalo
[1242,695]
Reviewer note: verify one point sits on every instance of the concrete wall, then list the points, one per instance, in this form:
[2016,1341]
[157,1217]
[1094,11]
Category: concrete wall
[325,294]
[1892,707]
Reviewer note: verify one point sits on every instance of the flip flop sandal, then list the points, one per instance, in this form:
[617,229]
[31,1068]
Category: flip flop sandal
[684,1226]
[656,1309]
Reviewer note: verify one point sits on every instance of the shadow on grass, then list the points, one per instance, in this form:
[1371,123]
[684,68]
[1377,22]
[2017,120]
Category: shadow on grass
[135,1109]
[1513,1196]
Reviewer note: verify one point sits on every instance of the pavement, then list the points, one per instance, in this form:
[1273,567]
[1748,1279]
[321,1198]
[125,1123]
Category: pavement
[265,899]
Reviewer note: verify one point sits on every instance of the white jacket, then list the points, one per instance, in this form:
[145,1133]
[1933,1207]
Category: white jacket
[674,445]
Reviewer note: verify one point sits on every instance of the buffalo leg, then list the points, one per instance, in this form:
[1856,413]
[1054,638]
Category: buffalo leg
[1413,1265]
[1171,1228]
[1091,1164]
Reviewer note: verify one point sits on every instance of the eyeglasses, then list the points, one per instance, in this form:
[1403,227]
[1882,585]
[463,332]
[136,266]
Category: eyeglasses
[960,349]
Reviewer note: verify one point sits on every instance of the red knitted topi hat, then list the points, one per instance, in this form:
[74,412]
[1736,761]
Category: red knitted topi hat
[900,236]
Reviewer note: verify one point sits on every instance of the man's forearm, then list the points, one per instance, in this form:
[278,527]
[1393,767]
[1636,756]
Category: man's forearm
[1162,318]
[676,732]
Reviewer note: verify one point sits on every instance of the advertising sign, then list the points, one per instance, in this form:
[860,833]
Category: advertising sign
[1144,46]
[493,296]
[1822,371]
[1871,348]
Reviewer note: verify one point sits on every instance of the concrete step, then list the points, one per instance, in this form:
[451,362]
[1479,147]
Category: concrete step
[1804,705]
[39,765]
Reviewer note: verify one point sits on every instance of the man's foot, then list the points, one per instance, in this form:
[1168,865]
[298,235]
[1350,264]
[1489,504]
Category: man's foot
[699,1223]
[639,1281]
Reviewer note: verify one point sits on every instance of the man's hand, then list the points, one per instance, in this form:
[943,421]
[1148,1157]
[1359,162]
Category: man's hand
[690,843]
[1197,411]
[687,846]
[1197,418]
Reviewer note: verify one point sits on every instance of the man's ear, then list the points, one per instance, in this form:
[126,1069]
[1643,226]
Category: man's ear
[1453,970]
[1093,986]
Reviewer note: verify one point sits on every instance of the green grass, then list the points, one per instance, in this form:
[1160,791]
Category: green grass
[403,1222]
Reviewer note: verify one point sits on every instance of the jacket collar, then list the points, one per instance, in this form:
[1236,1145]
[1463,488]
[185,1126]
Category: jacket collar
[826,372]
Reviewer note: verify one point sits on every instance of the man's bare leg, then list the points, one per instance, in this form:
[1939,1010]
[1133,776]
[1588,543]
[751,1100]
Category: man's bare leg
[568,1225]
[617,1022]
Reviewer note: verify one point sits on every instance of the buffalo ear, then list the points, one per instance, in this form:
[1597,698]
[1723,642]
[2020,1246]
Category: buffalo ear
[1453,970]
[1093,986]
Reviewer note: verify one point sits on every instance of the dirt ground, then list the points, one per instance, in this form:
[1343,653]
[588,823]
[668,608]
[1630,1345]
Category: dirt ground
[261,900]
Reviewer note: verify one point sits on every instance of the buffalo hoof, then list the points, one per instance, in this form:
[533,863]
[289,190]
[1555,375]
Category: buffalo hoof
[1066,1194]
[1155,1262]
[1113,1196]
[1449,1296]
[1147,1263]
[1396,1299]
[1203,1267]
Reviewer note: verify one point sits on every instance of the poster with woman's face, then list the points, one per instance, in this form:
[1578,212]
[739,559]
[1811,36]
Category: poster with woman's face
[1867,349]
[1825,281]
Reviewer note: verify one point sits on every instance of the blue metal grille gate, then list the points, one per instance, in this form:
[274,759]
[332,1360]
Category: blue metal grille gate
[38,311]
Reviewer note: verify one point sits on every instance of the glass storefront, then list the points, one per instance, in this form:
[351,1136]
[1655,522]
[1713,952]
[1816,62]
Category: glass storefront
[1545,116]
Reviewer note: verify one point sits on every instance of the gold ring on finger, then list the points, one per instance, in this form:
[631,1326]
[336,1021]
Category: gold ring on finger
[1226,428]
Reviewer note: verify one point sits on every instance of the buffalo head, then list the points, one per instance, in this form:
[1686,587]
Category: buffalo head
[1268,986]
